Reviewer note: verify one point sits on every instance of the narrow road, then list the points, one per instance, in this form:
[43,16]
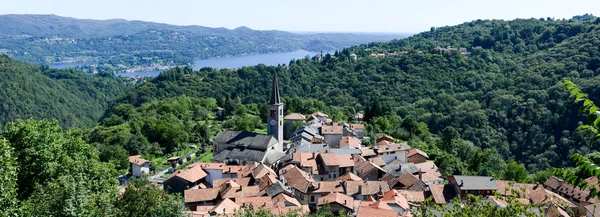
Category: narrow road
[158,176]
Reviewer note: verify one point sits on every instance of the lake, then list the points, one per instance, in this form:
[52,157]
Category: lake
[271,59]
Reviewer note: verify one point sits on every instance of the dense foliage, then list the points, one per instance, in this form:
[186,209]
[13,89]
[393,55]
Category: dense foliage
[121,44]
[58,174]
[505,96]
[73,98]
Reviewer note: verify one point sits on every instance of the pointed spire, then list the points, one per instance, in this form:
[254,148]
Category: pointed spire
[275,92]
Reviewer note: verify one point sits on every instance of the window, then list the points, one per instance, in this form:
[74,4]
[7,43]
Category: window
[312,198]
[280,112]
[393,152]
[466,191]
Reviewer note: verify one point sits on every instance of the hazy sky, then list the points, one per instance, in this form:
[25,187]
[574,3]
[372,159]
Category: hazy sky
[307,15]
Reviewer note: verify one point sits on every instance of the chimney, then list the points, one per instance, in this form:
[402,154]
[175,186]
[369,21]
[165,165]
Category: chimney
[313,155]
[420,174]
[360,189]
[462,182]
[265,204]
[318,185]
[492,178]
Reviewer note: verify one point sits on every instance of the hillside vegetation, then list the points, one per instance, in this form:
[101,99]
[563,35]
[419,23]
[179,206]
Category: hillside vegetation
[73,98]
[505,95]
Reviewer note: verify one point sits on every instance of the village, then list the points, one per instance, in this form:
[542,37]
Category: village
[324,163]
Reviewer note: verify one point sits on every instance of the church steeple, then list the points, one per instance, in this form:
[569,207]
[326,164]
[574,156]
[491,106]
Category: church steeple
[275,115]
[275,91]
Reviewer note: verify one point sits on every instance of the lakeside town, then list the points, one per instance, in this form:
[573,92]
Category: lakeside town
[324,163]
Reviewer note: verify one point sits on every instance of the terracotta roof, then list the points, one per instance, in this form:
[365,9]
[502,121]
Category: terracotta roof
[283,198]
[413,196]
[417,151]
[392,147]
[350,141]
[320,114]
[332,130]
[442,193]
[192,175]
[137,160]
[357,126]
[366,211]
[391,180]
[174,174]
[240,181]
[407,179]
[366,187]
[261,171]
[328,187]
[242,191]
[255,201]
[363,166]
[306,160]
[212,166]
[368,152]
[329,159]
[341,199]
[349,177]
[393,196]
[298,179]
[377,161]
[226,206]
[267,181]
[430,171]
[200,195]
[510,188]
[344,160]
[294,116]
[328,120]
[553,182]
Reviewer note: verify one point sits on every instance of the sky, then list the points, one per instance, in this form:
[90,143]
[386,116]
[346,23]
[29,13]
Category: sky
[307,15]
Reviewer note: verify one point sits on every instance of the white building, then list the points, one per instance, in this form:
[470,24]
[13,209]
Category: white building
[139,166]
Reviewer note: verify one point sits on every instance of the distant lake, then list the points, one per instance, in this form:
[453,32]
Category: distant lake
[271,59]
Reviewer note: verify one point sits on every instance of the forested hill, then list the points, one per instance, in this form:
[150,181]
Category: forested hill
[73,98]
[504,95]
[121,44]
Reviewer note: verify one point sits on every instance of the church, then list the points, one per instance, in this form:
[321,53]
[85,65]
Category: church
[242,147]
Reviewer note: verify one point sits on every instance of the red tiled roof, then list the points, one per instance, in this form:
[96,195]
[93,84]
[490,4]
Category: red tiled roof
[387,138]
[413,196]
[349,177]
[350,141]
[137,160]
[429,171]
[320,114]
[302,210]
[328,187]
[283,198]
[261,171]
[192,175]
[377,161]
[298,179]
[226,206]
[393,196]
[407,179]
[341,199]
[242,191]
[345,160]
[332,130]
[306,160]
[366,187]
[255,201]
[200,195]
[367,152]
[329,159]
[367,211]
[392,147]
[417,151]
[239,181]
[357,126]
[294,116]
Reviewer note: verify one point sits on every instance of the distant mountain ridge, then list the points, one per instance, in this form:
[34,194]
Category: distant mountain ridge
[120,44]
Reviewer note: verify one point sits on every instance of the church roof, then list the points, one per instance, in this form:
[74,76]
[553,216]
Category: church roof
[275,91]
[246,139]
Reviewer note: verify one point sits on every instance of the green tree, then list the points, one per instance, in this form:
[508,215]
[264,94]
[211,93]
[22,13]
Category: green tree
[8,179]
[141,198]
[449,136]
[515,171]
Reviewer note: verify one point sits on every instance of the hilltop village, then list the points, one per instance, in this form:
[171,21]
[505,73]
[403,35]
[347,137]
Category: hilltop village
[324,163]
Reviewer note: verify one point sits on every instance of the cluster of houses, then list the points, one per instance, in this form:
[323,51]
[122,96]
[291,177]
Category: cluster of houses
[325,163]
[463,51]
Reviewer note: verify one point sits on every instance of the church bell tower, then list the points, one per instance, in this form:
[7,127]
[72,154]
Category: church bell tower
[275,115]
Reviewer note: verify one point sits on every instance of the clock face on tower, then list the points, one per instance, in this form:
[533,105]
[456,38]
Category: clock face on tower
[273,122]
